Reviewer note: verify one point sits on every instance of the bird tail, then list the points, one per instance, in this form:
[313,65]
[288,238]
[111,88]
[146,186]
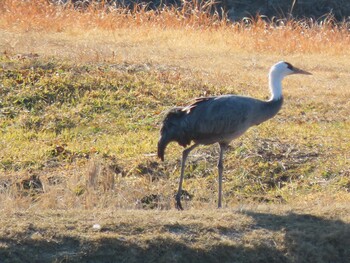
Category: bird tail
[162,144]
[171,131]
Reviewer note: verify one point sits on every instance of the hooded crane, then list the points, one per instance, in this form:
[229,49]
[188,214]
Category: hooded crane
[220,119]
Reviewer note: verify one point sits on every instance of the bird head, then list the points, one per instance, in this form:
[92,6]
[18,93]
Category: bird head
[284,69]
[277,73]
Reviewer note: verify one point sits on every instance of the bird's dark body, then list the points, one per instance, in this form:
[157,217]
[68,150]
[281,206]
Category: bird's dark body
[214,120]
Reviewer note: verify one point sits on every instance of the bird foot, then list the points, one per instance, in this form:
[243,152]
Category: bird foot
[178,204]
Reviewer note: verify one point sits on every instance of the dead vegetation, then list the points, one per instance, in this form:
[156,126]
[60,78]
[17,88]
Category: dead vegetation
[81,98]
[246,234]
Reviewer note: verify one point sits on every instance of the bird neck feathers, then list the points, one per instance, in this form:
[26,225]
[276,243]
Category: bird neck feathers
[275,83]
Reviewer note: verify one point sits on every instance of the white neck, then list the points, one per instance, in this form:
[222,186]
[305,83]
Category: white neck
[275,83]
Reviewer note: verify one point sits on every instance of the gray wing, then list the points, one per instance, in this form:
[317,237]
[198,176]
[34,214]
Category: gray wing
[218,116]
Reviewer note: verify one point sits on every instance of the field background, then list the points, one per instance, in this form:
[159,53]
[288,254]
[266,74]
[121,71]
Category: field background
[82,96]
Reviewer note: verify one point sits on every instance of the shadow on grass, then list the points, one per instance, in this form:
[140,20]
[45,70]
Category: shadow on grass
[114,250]
[306,239]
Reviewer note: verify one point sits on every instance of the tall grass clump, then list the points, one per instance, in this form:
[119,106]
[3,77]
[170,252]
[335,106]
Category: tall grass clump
[44,16]
[256,33]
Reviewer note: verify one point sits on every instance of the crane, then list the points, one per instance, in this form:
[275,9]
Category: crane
[220,119]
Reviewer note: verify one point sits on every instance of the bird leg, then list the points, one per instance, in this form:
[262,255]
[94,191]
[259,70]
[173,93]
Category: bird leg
[185,153]
[221,170]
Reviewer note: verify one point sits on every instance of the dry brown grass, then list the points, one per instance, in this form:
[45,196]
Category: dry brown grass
[160,59]
[242,234]
[162,28]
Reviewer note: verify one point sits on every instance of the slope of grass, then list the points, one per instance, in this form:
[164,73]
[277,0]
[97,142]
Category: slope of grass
[82,96]
[246,234]
[59,118]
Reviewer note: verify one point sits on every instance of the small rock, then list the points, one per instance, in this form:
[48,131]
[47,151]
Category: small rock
[96,227]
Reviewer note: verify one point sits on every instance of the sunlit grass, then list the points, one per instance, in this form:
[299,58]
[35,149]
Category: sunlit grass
[110,119]
[82,96]
[164,26]
[88,88]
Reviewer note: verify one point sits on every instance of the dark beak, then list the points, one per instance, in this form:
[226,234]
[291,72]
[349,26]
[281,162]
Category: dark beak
[300,71]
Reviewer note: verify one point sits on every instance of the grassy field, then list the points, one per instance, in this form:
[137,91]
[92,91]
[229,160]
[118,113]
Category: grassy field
[82,96]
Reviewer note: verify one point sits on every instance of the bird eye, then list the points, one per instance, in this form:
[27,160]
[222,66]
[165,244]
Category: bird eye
[289,66]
